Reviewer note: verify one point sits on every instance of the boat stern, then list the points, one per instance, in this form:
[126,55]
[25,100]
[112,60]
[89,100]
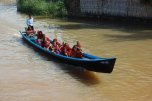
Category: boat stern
[104,66]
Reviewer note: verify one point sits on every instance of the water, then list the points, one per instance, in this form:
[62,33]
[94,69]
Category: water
[29,75]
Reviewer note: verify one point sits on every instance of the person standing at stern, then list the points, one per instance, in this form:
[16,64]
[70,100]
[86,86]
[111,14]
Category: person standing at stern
[29,22]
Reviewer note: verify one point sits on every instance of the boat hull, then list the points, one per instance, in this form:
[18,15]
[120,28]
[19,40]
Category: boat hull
[93,63]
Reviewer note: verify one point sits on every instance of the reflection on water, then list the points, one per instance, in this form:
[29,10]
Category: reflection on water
[27,74]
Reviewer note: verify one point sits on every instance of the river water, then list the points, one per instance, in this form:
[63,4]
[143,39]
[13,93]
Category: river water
[29,75]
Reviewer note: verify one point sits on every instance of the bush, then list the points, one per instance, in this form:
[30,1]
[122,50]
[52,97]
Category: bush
[42,7]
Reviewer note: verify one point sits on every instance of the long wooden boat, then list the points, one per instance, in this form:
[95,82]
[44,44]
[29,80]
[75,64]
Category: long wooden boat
[89,62]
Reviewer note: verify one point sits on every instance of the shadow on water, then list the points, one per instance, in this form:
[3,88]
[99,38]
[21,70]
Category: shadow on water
[79,73]
[86,77]
[133,30]
[145,35]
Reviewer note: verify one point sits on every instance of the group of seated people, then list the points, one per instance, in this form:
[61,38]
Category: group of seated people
[55,46]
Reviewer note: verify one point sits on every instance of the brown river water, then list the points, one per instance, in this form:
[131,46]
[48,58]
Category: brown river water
[29,75]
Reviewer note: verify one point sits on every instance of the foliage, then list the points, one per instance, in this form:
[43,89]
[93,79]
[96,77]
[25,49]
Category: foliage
[42,7]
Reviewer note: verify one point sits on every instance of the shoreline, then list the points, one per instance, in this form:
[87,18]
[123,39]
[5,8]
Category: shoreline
[119,19]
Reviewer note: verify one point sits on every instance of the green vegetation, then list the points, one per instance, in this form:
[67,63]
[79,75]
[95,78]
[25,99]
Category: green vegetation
[42,7]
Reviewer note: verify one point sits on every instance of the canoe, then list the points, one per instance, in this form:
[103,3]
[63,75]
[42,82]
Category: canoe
[88,62]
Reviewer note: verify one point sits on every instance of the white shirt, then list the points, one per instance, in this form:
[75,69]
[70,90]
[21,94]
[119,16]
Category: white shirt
[29,22]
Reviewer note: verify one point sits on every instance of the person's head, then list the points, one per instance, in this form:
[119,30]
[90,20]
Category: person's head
[54,44]
[30,16]
[74,48]
[39,32]
[65,44]
[54,40]
[78,43]
[29,28]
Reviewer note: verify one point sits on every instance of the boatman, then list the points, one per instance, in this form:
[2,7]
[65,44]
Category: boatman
[29,22]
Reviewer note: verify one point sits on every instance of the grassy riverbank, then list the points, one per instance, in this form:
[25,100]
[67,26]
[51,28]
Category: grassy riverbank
[42,7]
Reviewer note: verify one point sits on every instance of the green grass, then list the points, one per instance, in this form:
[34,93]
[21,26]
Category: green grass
[42,7]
